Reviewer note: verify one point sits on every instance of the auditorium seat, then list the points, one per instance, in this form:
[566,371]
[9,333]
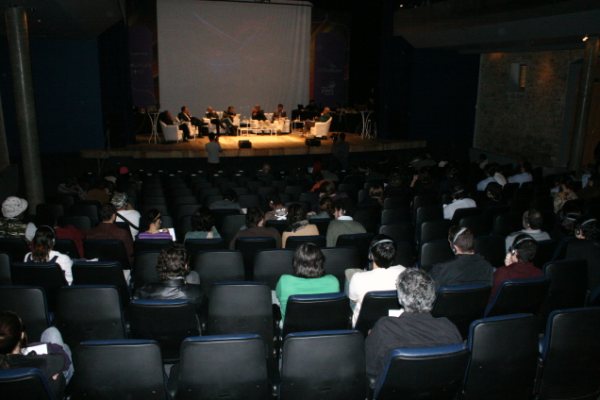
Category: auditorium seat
[49,276]
[29,303]
[118,369]
[518,296]
[218,265]
[423,373]
[503,358]
[314,312]
[221,367]
[323,365]
[24,383]
[338,259]
[269,265]
[375,304]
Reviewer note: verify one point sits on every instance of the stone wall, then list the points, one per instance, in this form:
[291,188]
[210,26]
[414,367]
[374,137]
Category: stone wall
[524,122]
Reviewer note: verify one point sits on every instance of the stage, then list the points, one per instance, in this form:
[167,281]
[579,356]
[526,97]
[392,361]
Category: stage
[262,146]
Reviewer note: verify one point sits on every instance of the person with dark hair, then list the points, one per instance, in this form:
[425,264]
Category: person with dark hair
[107,229]
[415,327]
[459,200]
[325,208]
[524,174]
[203,225]
[586,245]
[229,201]
[343,223]
[309,276]
[298,225]
[212,148]
[493,176]
[279,113]
[565,193]
[467,266]
[227,120]
[532,226]
[167,118]
[381,275]
[517,262]
[340,150]
[255,227]
[258,113]
[176,280]
[42,251]
[52,356]
[186,117]
[154,231]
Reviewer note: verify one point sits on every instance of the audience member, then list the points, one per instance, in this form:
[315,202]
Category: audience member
[213,148]
[176,280]
[107,229]
[264,174]
[154,227]
[203,225]
[415,327]
[493,175]
[326,209]
[228,202]
[343,224]
[277,210]
[298,225]
[459,200]
[466,267]
[586,245]
[381,275]
[70,232]
[255,227]
[126,213]
[99,192]
[565,193]
[524,174]
[340,150]
[517,262]
[12,222]
[309,276]
[532,226]
[42,251]
[52,357]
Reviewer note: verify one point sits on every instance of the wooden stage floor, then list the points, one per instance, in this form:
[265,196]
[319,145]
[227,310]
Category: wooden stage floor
[262,146]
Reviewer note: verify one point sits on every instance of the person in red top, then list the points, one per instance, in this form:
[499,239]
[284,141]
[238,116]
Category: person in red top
[107,229]
[517,263]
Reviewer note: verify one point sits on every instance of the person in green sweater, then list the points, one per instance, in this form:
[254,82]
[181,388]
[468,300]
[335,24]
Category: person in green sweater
[309,276]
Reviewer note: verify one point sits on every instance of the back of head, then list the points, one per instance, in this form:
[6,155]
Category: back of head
[152,215]
[230,194]
[119,200]
[382,251]
[524,247]
[295,213]
[344,204]
[461,238]
[172,262]
[308,261]
[254,216]
[107,211]
[416,291]
[533,219]
[42,243]
[211,137]
[11,329]
[203,220]
[458,191]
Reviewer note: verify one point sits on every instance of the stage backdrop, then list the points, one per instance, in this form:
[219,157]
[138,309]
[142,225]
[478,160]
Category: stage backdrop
[222,53]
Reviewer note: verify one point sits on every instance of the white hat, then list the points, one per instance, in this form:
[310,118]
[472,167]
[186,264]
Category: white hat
[13,206]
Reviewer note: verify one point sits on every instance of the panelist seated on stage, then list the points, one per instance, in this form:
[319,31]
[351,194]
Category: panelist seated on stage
[213,116]
[186,116]
[279,112]
[324,117]
[258,113]
[167,118]
[228,118]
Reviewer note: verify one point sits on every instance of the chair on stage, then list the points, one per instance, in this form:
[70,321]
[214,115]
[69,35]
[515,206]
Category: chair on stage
[321,129]
[172,133]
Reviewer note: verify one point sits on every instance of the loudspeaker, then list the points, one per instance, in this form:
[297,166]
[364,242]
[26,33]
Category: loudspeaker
[244,144]
[312,142]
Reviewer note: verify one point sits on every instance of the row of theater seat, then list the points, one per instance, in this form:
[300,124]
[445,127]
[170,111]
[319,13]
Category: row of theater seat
[501,359]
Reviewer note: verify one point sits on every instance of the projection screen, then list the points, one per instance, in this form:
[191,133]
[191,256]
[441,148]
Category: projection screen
[220,53]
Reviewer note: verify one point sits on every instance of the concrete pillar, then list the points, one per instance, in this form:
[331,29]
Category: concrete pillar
[584,99]
[20,62]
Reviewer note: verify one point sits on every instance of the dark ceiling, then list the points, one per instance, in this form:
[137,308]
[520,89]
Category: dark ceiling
[475,25]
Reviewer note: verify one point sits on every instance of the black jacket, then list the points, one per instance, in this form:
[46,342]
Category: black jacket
[172,289]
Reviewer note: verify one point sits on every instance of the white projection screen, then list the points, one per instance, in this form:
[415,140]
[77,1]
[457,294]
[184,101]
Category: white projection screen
[221,53]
